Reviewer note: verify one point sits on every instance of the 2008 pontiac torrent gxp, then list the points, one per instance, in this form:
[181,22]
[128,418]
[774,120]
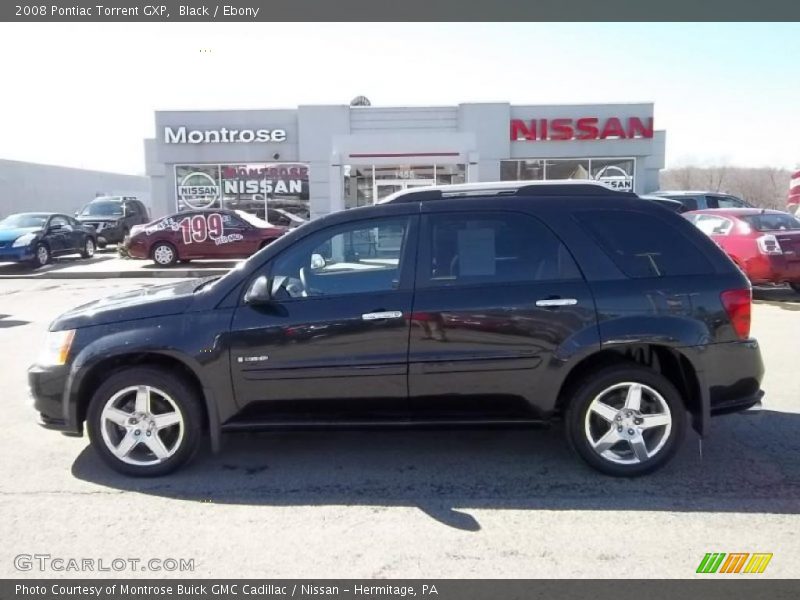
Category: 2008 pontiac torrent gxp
[460,305]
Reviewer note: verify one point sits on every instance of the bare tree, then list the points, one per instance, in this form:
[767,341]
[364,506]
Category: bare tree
[763,187]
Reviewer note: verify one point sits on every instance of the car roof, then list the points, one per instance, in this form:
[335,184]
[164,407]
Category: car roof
[562,187]
[34,214]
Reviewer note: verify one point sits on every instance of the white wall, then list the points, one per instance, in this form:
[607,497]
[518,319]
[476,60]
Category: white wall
[26,187]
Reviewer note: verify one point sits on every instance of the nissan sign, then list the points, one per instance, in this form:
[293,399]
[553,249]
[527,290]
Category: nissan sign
[586,128]
[223,135]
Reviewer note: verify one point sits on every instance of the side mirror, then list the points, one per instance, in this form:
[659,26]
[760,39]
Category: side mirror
[259,292]
[317,261]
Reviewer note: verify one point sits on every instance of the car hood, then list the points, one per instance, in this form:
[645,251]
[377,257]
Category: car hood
[156,301]
[9,235]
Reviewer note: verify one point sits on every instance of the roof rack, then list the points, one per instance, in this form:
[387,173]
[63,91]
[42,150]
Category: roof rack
[565,187]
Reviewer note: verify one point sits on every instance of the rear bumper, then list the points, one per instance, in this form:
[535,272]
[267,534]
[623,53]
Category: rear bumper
[773,269]
[746,403]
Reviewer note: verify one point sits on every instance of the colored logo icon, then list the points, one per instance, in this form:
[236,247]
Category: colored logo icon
[734,562]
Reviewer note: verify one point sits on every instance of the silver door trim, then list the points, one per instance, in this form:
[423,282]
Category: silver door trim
[557,302]
[386,314]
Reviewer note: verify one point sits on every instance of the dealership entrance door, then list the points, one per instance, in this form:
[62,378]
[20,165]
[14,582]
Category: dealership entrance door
[385,187]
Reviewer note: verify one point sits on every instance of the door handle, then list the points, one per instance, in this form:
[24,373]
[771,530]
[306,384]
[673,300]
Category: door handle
[384,314]
[557,302]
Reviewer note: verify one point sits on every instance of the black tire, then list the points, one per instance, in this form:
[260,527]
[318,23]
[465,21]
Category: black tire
[591,386]
[181,393]
[164,246]
[88,248]
[41,256]
[102,245]
[795,287]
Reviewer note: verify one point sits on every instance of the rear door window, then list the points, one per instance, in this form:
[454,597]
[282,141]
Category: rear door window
[643,245]
[491,248]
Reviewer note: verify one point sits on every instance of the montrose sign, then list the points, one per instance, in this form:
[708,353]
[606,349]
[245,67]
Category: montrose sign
[223,135]
[585,128]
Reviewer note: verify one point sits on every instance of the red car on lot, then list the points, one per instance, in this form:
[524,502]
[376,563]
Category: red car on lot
[764,243]
[222,234]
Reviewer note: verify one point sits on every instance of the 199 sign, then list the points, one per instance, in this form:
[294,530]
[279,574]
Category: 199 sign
[199,228]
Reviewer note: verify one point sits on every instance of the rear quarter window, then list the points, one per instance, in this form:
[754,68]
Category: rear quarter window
[643,245]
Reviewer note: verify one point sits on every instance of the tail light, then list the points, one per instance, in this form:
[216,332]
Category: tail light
[737,304]
[768,244]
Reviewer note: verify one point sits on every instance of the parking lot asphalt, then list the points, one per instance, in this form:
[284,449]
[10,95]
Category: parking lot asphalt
[502,503]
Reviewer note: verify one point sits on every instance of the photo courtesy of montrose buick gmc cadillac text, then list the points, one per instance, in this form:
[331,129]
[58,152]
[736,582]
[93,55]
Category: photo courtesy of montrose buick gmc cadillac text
[508,303]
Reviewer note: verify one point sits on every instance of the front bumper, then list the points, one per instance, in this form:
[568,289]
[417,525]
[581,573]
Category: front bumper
[48,386]
[20,254]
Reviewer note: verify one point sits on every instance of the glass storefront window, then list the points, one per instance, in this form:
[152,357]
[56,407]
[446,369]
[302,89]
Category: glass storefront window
[617,173]
[251,187]
[521,170]
[367,184]
[567,169]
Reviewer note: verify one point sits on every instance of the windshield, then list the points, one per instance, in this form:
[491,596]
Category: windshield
[23,221]
[102,209]
[252,219]
[773,222]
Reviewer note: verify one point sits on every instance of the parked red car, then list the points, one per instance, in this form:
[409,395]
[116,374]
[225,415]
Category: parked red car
[764,243]
[187,235]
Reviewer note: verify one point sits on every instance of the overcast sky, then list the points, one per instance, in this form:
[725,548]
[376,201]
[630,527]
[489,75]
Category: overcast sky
[84,94]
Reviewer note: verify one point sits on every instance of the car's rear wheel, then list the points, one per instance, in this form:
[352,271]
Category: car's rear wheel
[41,256]
[88,248]
[144,421]
[164,254]
[626,420]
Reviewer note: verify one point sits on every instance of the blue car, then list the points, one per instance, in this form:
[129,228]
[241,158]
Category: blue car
[35,238]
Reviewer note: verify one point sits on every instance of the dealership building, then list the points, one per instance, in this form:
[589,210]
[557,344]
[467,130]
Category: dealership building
[314,160]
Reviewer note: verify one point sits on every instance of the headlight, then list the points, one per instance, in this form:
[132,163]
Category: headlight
[24,240]
[56,348]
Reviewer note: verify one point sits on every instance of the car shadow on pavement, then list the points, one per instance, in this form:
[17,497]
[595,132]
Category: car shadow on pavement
[6,323]
[782,297]
[749,464]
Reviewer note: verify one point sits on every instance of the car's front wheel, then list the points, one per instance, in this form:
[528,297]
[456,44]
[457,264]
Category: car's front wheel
[795,287]
[164,254]
[626,420]
[143,421]
[41,256]
[88,248]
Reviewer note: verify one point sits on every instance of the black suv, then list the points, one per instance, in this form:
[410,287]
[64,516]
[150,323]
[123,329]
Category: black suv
[488,304]
[113,217]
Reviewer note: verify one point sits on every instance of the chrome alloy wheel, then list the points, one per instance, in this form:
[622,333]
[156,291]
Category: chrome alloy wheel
[89,247]
[142,425]
[42,255]
[628,423]
[163,254]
